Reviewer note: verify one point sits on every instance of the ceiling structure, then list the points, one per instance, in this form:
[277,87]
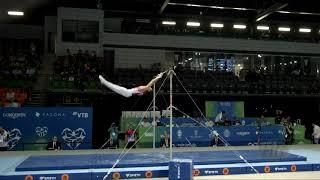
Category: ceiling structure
[252,10]
[288,9]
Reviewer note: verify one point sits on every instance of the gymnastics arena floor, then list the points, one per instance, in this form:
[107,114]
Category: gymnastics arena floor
[216,163]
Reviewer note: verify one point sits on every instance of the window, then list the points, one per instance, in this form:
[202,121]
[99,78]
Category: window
[80,31]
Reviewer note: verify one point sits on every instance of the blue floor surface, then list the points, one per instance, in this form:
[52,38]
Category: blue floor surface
[68,162]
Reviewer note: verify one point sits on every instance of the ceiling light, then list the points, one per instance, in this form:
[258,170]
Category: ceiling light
[305,30]
[15,13]
[216,25]
[284,29]
[305,13]
[168,22]
[263,28]
[241,9]
[239,26]
[284,12]
[193,24]
[259,56]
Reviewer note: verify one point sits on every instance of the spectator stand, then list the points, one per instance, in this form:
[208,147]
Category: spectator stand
[13,97]
[77,71]
[19,62]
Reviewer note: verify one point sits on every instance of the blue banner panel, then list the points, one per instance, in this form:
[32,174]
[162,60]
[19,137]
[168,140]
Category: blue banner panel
[316,167]
[139,173]
[197,136]
[281,168]
[32,128]
[232,135]
[271,134]
[222,171]
[75,176]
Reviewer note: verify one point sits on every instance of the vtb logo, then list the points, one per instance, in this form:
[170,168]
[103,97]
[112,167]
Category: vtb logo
[81,115]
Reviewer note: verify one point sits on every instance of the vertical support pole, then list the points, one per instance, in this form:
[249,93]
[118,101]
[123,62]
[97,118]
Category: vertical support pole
[171,106]
[154,116]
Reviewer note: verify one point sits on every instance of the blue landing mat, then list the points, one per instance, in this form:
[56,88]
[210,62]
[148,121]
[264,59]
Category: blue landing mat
[66,162]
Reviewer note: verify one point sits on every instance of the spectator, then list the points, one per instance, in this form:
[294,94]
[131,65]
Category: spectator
[157,122]
[237,123]
[316,133]
[145,123]
[4,138]
[165,140]
[30,71]
[113,134]
[220,118]
[93,56]
[33,48]
[131,136]
[209,123]
[279,116]
[13,104]
[215,139]
[289,132]
[261,121]
[10,95]
[227,122]
[80,57]
[287,119]
[54,144]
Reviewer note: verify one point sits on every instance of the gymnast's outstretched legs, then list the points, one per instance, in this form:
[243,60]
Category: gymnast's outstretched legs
[117,89]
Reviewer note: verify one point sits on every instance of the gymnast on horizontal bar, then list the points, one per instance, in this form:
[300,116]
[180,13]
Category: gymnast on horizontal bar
[140,90]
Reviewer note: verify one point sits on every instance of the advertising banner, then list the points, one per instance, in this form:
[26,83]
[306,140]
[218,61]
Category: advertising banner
[32,128]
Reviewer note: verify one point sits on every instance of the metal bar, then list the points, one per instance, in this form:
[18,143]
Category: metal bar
[171,114]
[154,116]
[164,5]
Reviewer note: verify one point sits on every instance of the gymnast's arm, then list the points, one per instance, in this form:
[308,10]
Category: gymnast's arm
[154,80]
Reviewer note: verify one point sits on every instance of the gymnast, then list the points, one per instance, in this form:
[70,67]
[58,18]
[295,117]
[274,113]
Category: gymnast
[140,90]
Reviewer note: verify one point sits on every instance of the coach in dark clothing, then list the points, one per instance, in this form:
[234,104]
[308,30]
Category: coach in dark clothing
[54,144]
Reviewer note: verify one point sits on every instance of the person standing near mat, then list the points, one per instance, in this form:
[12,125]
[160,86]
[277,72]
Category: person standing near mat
[140,90]
[289,132]
[131,137]
[113,134]
[316,133]
[214,139]
[220,118]
[165,140]
[4,138]
[145,123]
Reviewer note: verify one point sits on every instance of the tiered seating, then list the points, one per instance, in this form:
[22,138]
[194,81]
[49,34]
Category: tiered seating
[227,82]
[210,82]
[77,71]
[19,63]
